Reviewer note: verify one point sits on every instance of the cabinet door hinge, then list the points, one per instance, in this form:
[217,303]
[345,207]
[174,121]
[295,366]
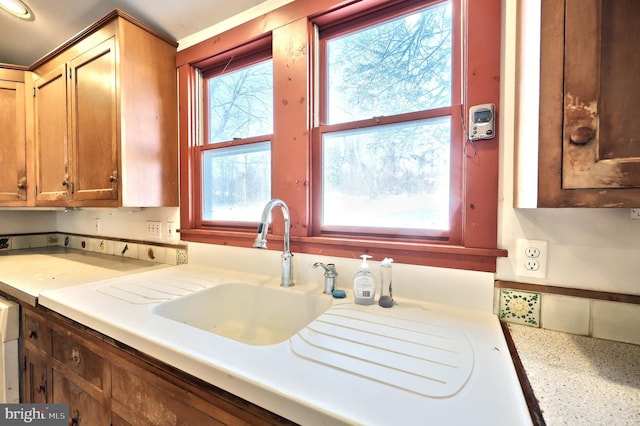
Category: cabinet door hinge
[69,72]
[34,92]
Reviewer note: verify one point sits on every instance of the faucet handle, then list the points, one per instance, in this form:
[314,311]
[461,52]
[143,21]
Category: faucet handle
[329,269]
[330,275]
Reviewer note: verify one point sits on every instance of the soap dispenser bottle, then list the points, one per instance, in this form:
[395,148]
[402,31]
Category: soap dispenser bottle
[364,287]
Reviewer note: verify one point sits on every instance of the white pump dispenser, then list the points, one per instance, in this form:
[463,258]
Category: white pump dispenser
[364,287]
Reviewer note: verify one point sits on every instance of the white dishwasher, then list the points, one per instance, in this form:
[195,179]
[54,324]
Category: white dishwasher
[9,365]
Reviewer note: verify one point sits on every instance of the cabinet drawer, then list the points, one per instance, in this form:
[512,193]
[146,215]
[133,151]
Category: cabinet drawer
[78,358]
[35,331]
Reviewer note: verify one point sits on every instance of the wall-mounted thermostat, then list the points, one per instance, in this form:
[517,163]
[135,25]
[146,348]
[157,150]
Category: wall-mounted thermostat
[482,122]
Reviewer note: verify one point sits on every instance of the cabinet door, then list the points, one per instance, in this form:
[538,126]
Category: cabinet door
[51,147]
[13,178]
[138,400]
[84,408]
[34,377]
[36,343]
[601,137]
[94,123]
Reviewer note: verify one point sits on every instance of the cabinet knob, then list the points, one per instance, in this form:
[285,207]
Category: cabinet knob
[33,334]
[69,185]
[22,183]
[75,356]
[582,135]
[112,179]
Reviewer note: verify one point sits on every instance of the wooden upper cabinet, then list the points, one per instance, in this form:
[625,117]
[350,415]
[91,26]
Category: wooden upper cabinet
[13,172]
[106,118]
[602,94]
[51,137]
[93,123]
[589,150]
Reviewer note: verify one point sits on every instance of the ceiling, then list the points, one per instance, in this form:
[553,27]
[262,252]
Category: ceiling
[56,21]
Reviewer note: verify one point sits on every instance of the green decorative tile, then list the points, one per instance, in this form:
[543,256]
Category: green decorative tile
[520,307]
[182,257]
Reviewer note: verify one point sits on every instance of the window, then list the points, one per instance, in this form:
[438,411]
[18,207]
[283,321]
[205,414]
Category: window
[236,182]
[393,177]
[390,176]
[236,157]
[240,102]
[367,145]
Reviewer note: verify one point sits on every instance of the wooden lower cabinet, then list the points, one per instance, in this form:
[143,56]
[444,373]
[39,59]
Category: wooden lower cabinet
[107,383]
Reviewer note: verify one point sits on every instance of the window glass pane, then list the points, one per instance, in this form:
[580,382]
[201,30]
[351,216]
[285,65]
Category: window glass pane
[241,103]
[399,66]
[236,182]
[394,176]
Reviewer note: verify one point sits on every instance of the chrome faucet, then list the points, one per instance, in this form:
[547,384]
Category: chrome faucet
[330,275]
[261,239]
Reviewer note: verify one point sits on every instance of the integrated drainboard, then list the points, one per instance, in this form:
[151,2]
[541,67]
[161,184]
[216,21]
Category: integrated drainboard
[153,290]
[407,348]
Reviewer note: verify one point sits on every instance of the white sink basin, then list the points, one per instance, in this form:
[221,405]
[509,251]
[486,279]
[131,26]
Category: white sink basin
[247,313]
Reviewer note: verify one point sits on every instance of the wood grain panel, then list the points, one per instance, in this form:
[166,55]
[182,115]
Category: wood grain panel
[51,137]
[12,142]
[93,118]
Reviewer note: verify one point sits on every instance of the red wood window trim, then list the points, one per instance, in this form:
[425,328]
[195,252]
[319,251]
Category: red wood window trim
[293,44]
[338,23]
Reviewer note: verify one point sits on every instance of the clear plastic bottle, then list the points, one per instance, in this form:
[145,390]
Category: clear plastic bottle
[364,286]
[386,289]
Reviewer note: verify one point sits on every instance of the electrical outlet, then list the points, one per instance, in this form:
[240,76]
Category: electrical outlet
[531,265]
[154,229]
[531,258]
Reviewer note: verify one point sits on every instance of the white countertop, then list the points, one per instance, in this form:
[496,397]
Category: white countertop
[24,274]
[300,389]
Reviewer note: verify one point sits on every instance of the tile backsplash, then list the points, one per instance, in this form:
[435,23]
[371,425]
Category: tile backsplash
[159,253]
[521,307]
[604,319]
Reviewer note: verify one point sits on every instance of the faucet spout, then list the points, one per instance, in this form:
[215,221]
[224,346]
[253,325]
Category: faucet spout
[261,239]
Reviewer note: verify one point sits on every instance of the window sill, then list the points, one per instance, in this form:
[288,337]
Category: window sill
[456,257]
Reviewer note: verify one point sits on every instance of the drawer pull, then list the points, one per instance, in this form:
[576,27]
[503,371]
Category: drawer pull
[75,356]
[75,419]
[43,386]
